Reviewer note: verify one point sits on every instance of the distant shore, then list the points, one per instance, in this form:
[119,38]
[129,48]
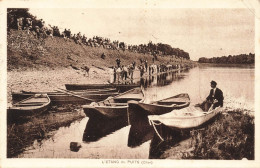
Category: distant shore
[229,65]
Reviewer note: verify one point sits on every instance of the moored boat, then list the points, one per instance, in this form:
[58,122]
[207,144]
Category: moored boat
[120,87]
[31,106]
[165,105]
[187,118]
[98,96]
[78,97]
[113,106]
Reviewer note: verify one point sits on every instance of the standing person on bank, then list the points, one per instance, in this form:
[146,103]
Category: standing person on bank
[131,71]
[118,61]
[118,73]
[124,72]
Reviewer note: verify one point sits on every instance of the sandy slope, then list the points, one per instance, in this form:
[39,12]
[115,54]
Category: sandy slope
[49,80]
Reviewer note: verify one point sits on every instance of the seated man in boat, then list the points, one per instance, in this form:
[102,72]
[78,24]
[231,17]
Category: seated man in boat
[214,98]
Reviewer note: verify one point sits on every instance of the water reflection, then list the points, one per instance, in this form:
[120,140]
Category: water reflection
[97,128]
[163,79]
[140,131]
[171,139]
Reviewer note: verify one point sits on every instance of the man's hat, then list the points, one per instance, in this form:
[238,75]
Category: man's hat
[213,82]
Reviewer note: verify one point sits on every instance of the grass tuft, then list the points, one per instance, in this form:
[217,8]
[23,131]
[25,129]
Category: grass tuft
[230,137]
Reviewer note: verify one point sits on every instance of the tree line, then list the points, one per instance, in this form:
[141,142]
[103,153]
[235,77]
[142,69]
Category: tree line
[235,59]
[167,49]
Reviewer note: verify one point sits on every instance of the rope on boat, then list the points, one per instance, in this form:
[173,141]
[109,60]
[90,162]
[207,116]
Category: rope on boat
[153,124]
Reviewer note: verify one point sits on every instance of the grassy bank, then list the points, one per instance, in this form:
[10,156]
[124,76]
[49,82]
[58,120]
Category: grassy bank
[23,134]
[230,137]
[25,51]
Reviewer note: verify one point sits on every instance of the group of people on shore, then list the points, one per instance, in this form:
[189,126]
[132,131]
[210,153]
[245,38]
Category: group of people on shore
[39,28]
[124,72]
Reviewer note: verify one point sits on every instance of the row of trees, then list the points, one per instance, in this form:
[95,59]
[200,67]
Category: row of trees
[235,59]
[166,49]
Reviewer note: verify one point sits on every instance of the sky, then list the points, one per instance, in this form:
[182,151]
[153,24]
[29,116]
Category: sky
[200,32]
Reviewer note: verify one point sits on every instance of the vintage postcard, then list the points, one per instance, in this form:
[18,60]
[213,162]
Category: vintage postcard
[147,83]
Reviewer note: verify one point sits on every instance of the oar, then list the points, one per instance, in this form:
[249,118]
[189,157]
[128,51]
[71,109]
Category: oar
[211,107]
[69,93]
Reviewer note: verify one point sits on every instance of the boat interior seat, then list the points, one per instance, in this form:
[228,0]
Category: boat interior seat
[33,104]
[118,104]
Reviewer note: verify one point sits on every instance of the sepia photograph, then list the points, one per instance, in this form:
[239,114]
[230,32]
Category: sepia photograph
[129,84]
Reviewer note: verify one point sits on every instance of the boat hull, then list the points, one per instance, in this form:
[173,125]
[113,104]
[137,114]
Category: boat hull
[115,106]
[192,122]
[187,120]
[161,107]
[55,98]
[29,107]
[119,87]
[62,98]
[19,112]
[105,111]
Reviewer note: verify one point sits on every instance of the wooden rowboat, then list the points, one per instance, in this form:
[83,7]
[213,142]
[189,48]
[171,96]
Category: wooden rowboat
[98,96]
[61,97]
[187,118]
[166,105]
[105,90]
[31,106]
[113,106]
[120,87]
[56,97]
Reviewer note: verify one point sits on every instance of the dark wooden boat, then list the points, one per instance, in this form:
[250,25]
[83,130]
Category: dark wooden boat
[31,106]
[104,90]
[114,106]
[187,118]
[88,96]
[98,96]
[120,87]
[166,105]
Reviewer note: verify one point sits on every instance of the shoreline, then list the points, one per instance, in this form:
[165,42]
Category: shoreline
[22,135]
[251,66]
[51,79]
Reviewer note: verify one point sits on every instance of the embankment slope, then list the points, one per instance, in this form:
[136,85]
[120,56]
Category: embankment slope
[25,51]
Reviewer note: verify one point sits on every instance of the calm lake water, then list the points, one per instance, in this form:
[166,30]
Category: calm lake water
[115,139]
